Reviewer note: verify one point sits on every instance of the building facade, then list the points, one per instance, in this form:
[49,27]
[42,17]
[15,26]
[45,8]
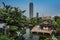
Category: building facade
[31,10]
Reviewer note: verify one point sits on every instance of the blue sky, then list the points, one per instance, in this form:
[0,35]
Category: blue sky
[43,7]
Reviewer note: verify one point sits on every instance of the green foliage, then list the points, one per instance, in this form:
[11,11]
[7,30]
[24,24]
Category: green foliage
[55,22]
[58,23]
[48,39]
[4,37]
[23,31]
[12,15]
[56,17]
[36,21]
[58,37]
[13,28]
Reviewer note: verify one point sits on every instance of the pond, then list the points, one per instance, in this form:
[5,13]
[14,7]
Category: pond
[29,36]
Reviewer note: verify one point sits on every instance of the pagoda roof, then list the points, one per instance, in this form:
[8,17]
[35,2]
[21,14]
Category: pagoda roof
[47,24]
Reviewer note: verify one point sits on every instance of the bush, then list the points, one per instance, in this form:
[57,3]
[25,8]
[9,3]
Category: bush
[48,39]
[4,37]
[13,28]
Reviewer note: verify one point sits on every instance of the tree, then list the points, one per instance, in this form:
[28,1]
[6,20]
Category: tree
[56,17]
[12,15]
[58,23]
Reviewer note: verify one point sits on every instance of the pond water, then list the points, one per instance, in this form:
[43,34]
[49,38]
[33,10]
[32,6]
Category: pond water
[35,37]
[28,36]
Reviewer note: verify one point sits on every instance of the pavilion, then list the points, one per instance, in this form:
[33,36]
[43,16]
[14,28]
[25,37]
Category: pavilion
[44,27]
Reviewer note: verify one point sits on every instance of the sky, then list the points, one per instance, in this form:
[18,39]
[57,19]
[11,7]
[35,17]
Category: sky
[43,7]
[2,25]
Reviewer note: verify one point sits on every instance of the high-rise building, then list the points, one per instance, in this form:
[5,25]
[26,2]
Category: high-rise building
[31,10]
[37,14]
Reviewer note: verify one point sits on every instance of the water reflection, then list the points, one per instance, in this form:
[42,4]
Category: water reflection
[29,37]
[35,37]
